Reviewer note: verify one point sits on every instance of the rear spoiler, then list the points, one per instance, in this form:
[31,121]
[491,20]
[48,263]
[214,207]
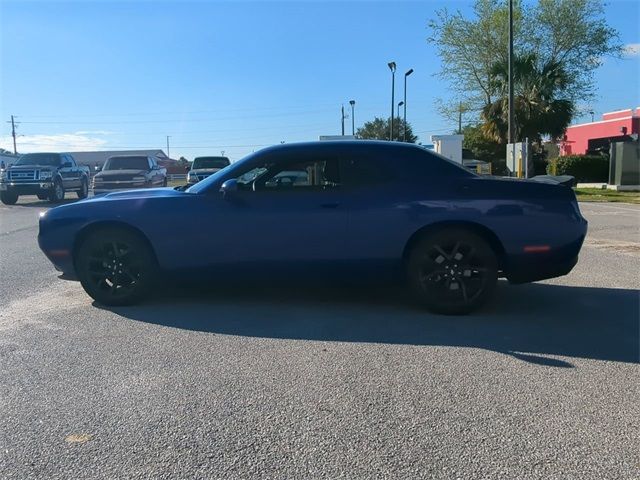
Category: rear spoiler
[566,180]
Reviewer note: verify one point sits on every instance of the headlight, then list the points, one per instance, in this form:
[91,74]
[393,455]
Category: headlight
[192,176]
[3,174]
[45,174]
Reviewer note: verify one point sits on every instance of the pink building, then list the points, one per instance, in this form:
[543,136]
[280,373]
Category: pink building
[596,136]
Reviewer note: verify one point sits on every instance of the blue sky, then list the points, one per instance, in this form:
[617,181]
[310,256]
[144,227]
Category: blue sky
[231,76]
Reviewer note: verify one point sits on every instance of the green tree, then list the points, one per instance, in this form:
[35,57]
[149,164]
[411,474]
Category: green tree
[571,33]
[482,148]
[538,109]
[378,129]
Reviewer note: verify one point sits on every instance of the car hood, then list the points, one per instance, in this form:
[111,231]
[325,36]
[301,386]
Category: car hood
[140,193]
[106,174]
[205,170]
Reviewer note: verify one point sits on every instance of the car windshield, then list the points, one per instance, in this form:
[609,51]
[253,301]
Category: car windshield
[127,163]
[233,170]
[210,162]
[51,159]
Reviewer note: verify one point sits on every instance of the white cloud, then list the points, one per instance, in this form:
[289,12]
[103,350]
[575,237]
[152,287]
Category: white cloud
[95,132]
[65,142]
[631,50]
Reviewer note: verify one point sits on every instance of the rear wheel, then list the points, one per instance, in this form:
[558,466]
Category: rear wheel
[57,192]
[9,198]
[43,196]
[115,267]
[84,190]
[453,271]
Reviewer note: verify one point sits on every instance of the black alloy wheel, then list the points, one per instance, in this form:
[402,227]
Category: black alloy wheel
[115,267]
[84,190]
[57,192]
[453,271]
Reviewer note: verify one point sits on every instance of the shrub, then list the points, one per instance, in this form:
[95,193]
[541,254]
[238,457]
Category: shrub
[585,168]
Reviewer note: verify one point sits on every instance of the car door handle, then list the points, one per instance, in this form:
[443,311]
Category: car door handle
[330,205]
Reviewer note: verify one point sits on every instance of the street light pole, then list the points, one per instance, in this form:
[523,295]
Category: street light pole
[342,110]
[353,117]
[400,103]
[404,128]
[168,153]
[392,67]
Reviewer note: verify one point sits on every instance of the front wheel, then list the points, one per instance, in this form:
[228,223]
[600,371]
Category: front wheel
[57,192]
[8,198]
[453,271]
[115,266]
[164,182]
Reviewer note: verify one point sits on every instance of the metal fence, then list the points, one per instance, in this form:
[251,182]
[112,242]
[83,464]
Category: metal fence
[176,176]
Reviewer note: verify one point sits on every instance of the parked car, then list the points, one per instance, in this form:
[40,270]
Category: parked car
[366,210]
[47,175]
[128,172]
[202,167]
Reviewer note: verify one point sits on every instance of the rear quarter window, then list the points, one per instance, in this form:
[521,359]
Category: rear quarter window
[418,165]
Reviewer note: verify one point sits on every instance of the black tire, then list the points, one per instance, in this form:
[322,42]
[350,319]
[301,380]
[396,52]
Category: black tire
[43,196]
[452,271]
[9,198]
[84,190]
[57,192]
[116,266]
[164,183]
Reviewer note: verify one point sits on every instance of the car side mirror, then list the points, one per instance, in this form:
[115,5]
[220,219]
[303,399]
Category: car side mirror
[229,187]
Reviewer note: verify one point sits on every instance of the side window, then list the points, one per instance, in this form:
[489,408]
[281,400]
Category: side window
[71,160]
[151,162]
[364,171]
[304,174]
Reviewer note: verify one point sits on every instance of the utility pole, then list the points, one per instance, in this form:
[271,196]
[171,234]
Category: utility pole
[168,154]
[13,134]
[342,110]
[510,131]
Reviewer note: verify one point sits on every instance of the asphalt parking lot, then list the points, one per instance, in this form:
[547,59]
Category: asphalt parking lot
[322,383]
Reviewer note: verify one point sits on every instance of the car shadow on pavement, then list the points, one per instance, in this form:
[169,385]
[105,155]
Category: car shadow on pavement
[525,321]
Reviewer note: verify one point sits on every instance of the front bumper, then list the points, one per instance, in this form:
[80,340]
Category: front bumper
[26,188]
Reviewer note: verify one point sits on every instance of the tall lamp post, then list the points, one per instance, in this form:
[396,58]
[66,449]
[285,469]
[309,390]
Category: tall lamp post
[404,129]
[400,103]
[353,117]
[392,67]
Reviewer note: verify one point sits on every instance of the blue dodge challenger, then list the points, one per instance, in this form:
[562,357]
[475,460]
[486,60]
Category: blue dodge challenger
[361,209]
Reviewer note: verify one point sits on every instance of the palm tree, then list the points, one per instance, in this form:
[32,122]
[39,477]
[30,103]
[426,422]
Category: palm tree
[537,109]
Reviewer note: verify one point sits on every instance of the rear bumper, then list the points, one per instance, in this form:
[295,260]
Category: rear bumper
[541,271]
[531,267]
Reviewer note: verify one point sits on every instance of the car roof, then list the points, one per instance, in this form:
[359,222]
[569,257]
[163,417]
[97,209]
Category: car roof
[342,145]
